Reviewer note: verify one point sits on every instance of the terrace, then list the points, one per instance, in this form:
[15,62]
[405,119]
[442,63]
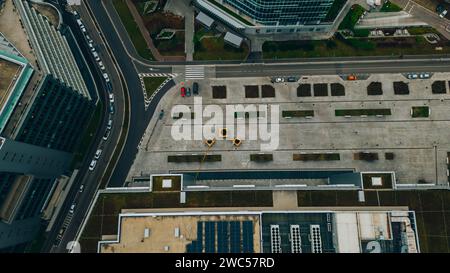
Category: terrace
[354,131]
[16,73]
[184,233]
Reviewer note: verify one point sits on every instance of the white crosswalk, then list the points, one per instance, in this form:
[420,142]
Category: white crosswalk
[194,72]
[172,75]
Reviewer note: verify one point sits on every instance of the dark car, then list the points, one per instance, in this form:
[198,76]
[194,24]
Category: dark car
[195,88]
[111,108]
[291,79]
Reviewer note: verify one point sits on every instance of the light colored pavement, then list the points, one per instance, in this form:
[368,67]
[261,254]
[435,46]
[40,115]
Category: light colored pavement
[10,27]
[143,29]
[389,19]
[189,22]
[138,19]
[425,15]
[285,200]
[182,8]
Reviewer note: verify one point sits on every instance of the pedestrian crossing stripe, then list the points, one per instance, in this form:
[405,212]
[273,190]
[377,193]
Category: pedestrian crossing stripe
[194,72]
[171,75]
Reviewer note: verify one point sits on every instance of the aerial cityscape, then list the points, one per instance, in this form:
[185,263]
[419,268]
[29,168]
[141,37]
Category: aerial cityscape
[224,126]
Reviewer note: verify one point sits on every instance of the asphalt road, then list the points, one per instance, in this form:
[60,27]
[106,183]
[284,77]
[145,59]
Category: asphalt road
[139,118]
[334,68]
[130,64]
[90,179]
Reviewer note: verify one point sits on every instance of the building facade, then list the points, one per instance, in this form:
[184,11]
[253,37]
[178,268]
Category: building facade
[284,12]
[299,19]
[41,125]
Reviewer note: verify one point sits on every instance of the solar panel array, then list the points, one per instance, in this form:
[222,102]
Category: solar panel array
[316,240]
[275,238]
[247,237]
[223,237]
[296,240]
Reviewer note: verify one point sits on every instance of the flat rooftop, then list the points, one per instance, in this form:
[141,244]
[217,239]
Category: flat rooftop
[175,233]
[16,73]
[265,231]
[10,72]
[415,148]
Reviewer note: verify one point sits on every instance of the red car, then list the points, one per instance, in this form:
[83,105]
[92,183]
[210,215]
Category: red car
[183,91]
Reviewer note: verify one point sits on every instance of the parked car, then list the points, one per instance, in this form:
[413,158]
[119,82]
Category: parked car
[100,64]
[188,92]
[183,91]
[111,108]
[111,98]
[279,79]
[109,126]
[442,15]
[95,54]
[195,88]
[412,76]
[81,188]
[106,135]
[92,165]
[72,208]
[291,79]
[98,153]
[106,77]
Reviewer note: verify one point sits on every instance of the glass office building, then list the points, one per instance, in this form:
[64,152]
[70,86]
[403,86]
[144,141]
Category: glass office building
[283,12]
[44,127]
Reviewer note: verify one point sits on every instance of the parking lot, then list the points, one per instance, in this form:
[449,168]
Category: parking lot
[419,144]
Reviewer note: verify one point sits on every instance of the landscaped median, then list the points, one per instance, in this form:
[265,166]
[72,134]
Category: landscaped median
[88,136]
[133,30]
[362,112]
[151,84]
[210,45]
[352,17]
